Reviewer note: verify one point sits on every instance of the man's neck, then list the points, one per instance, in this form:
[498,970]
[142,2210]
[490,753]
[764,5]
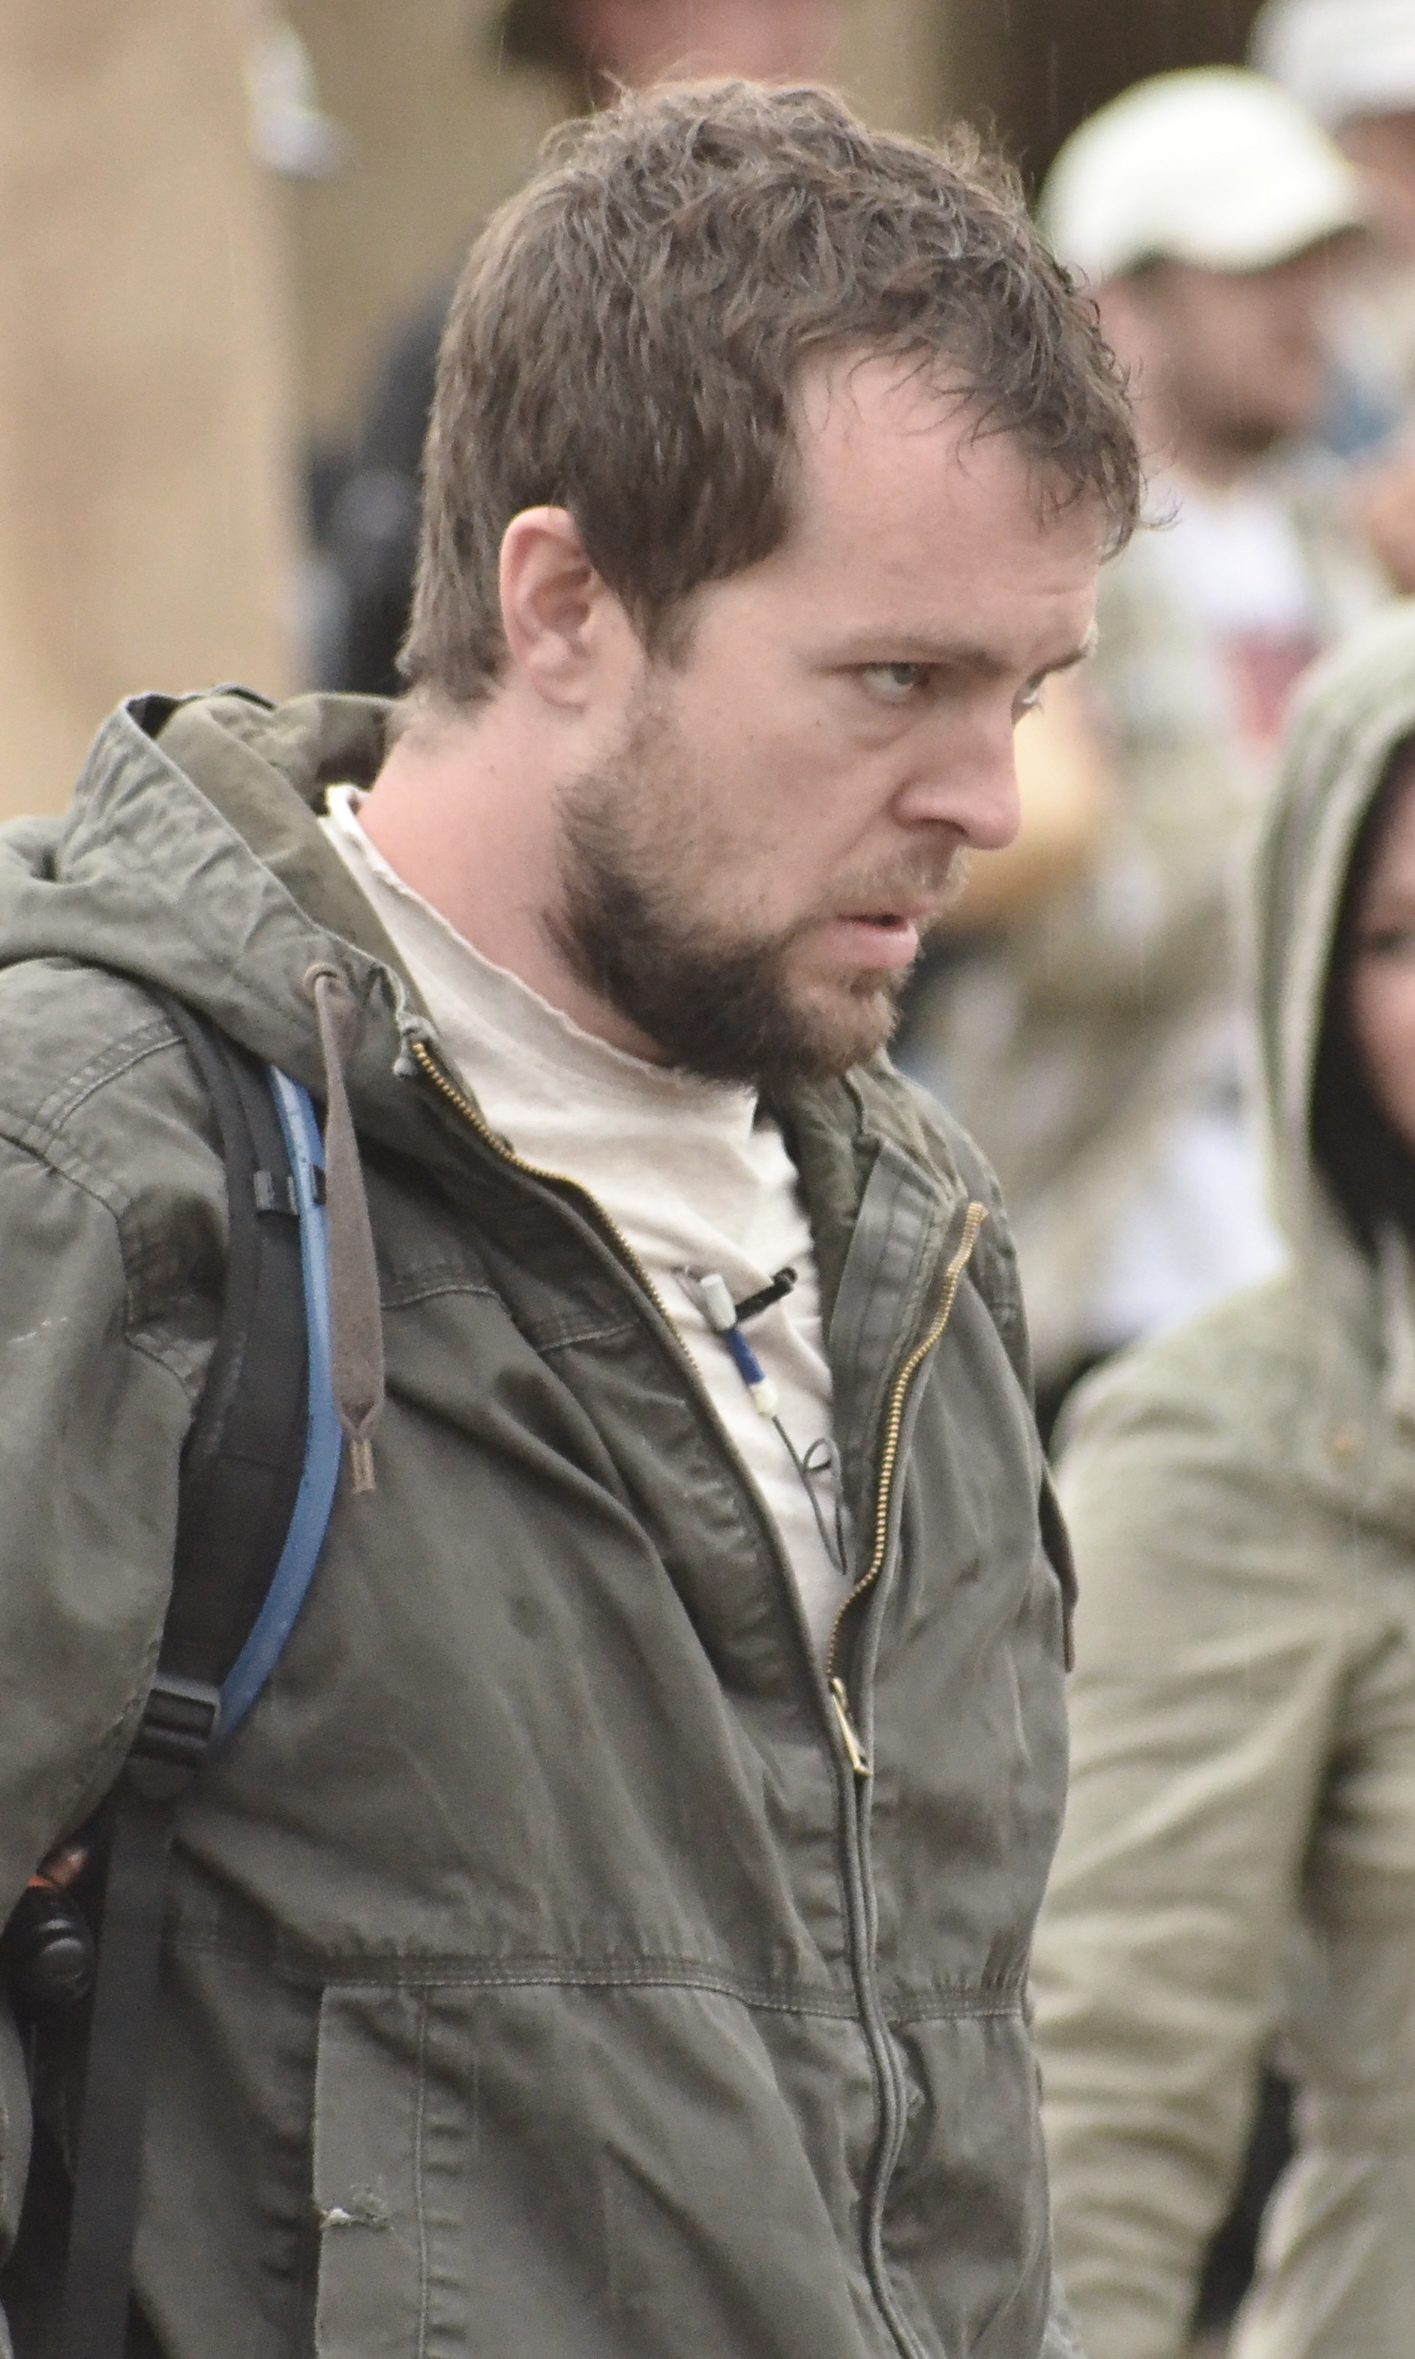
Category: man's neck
[462,812]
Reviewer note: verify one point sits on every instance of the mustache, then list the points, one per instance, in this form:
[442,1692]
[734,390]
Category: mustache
[930,881]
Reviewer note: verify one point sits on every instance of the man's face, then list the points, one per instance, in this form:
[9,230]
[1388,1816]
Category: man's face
[1383,973]
[1239,359]
[636,42]
[748,873]
[1382,147]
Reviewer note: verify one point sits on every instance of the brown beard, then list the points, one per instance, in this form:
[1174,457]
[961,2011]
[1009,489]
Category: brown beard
[634,857]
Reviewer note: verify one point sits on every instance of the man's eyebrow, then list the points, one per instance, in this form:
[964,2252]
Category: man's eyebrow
[959,655]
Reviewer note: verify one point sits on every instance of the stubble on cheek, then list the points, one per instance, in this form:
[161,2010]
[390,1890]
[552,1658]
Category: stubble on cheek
[646,918]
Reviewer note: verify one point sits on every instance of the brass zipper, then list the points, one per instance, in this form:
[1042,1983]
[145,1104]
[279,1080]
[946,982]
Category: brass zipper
[456,1097]
[856,1751]
[973,1220]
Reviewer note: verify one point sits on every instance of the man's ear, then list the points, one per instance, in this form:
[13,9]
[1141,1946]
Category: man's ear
[553,605]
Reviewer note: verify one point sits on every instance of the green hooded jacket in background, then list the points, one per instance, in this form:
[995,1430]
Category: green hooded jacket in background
[1239,1849]
[540,1977]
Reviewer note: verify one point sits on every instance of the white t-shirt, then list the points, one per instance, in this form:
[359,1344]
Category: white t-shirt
[690,1172]
[1235,561]
[1199,1228]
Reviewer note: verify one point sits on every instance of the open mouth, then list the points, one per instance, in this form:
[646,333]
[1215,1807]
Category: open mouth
[879,937]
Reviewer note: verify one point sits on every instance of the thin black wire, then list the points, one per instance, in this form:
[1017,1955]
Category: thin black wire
[828,1463]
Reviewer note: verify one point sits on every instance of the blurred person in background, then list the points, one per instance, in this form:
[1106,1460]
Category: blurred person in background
[1351,63]
[591,48]
[1093,1045]
[1240,1838]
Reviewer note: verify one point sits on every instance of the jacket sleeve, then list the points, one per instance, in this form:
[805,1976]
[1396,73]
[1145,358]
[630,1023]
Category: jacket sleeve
[1208,1678]
[94,1406]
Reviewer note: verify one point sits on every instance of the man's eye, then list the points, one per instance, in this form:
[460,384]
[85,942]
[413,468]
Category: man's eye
[1028,700]
[1389,942]
[896,682]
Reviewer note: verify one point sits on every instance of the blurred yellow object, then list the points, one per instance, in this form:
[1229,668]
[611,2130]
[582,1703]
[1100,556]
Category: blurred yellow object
[147,476]
[1066,774]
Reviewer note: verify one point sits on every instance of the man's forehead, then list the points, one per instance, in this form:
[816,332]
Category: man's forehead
[904,501]
[893,440]
[853,398]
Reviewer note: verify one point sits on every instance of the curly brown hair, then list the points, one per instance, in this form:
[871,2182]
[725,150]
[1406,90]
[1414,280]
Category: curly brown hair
[629,332]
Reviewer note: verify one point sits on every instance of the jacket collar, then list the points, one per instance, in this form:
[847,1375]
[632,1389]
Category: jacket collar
[192,857]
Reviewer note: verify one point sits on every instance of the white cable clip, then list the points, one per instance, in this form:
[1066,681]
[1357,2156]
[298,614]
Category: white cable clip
[721,1313]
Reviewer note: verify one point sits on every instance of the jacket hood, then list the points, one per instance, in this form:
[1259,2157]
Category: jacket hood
[1357,708]
[191,857]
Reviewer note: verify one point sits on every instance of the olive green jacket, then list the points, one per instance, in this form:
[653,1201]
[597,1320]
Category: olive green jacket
[540,1977]
[1239,1851]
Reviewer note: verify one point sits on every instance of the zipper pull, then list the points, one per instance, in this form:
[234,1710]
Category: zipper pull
[859,1760]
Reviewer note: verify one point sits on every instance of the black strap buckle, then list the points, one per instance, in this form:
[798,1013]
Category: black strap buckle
[179,1721]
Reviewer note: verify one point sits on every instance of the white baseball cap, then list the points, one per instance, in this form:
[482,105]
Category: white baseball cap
[1340,58]
[1215,166]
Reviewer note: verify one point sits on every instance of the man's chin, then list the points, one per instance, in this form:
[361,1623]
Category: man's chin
[848,1021]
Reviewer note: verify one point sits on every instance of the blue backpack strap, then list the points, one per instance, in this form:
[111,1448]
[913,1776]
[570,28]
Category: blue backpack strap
[314,1501]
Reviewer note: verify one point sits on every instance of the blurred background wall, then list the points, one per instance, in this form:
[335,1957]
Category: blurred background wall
[148,430]
[1037,68]
[442,129]
[208,232]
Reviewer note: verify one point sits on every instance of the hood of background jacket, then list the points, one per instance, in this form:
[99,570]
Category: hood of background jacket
[1357,707]
[1241,1496]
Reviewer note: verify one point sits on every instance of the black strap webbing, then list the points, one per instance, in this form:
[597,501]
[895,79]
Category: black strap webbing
[240,1474]
[243,1459]
[106,2178]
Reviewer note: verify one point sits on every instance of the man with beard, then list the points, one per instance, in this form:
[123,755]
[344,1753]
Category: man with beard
[608,1933]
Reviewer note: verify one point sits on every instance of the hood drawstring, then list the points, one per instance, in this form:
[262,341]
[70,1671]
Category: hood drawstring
[354,1312]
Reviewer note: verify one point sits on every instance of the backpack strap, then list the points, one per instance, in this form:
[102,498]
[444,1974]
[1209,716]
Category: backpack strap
[241,1464]
[257,1487]
[324,1439]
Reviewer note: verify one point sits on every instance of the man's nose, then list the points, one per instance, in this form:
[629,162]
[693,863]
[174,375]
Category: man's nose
[971,788]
